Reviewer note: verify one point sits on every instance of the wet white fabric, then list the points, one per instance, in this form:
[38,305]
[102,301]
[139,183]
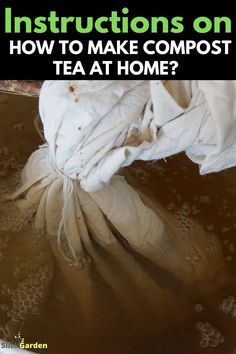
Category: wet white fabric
[196,117]
[62,208]
[84,121]
[92,128]
[76,134]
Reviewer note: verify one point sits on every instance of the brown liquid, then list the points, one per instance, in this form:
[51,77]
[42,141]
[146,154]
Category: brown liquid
[153,311]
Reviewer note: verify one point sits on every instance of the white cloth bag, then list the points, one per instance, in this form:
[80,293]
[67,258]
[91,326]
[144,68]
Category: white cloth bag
[92,128]
[81,123]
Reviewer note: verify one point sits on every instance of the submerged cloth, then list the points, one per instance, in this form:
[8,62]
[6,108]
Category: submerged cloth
[82,125]
[74,140]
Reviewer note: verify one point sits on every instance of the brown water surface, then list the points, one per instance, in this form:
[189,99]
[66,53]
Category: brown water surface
[137,306]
